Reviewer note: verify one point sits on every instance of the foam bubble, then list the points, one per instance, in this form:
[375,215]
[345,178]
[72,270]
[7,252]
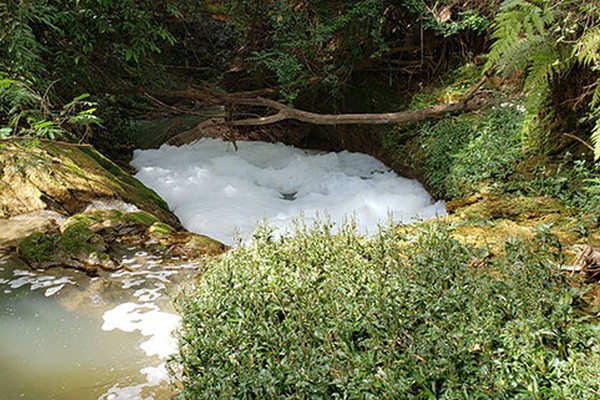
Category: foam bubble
[52,284]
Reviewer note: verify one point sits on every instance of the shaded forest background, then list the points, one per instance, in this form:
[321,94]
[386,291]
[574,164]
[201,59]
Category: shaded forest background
[82,70]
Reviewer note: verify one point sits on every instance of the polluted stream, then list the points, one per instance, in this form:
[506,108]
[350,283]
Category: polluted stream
[66,335]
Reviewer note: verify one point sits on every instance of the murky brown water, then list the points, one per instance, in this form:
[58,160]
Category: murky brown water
[64,335]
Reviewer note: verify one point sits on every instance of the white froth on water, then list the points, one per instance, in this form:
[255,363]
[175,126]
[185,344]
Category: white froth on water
[216,191]
[154,375]
[51,283]
[150,321]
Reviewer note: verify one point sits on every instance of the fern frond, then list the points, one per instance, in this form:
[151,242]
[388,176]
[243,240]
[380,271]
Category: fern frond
[587,49]
[506,30]
[595,103]
[544,61]
[518,28]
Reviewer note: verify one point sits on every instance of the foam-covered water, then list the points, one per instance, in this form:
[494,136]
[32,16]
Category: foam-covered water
[215,190]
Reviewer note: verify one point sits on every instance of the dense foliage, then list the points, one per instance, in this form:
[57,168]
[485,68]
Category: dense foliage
[555,46]
[54,53]
[462,154]
[410,314]
[26,112]
[323,41]
[75,41]
[492,149]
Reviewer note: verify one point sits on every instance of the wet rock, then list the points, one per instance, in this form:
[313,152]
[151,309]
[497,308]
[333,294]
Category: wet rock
[92,241]
[65,178]
[19,227]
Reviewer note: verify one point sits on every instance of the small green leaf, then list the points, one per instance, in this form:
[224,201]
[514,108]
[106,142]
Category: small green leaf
[5,132]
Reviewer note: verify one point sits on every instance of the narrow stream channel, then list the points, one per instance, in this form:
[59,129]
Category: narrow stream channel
[67,336]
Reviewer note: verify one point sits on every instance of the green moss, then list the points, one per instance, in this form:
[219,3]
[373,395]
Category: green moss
[140,218]
[87,218]
[453,87]
[114,216]
[160,228]
[77,238]
[73,167]
[38,247]
[140,193]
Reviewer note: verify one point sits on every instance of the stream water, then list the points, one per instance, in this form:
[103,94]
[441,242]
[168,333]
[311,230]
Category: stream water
[65,335]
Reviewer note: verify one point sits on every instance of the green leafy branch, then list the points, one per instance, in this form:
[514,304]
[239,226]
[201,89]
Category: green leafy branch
[25,112]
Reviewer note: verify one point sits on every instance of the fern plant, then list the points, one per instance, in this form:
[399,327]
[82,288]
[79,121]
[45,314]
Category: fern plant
[544,40]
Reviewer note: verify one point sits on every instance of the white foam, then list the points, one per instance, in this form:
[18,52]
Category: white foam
[150,321]
[111,204]
[154,377]
[52,284]
[53,290]
[215,190]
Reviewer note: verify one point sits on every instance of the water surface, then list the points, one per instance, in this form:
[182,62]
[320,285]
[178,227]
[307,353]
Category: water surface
[65,335]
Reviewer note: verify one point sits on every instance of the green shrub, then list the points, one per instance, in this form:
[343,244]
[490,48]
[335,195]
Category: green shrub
[491,154]
[323,315]
[573,181]
[462,153]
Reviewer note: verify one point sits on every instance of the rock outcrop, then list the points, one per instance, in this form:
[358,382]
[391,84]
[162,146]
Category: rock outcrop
[43,175]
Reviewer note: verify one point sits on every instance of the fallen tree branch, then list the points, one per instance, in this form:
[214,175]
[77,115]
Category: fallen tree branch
[285,113]
[282,113]
[587,261]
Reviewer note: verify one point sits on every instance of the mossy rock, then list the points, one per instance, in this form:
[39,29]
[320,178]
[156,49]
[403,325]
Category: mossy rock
[160,230]
[204,245]
[140,218]
[87,241]
[188,245]
[38,247]
[63,177]
[77,247]
[491,219]
[78,239]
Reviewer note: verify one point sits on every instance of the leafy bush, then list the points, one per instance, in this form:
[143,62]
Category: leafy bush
[403,315]
[25,112]
[461,153]
[491,154]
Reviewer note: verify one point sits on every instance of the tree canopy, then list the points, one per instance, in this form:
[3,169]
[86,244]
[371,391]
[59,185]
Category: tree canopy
[52,52]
